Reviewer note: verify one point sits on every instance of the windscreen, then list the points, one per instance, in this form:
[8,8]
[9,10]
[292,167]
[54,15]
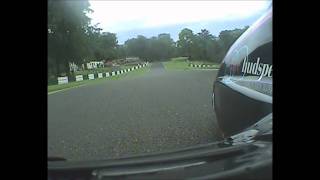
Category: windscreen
[134,78]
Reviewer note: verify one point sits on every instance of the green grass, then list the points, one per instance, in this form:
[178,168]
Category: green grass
[137,72]
[179,63]
[179,59]
[57,87]
[203,62]
[127,66]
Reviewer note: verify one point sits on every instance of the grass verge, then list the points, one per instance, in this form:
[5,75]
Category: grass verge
[179,63]
[58,87]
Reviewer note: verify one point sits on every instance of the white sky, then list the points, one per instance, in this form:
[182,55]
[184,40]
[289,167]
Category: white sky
[117,16]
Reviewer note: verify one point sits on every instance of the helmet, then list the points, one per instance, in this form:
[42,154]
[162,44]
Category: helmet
[242,91]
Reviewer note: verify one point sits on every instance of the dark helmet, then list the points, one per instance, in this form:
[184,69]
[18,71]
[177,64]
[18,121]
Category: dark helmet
[242,92]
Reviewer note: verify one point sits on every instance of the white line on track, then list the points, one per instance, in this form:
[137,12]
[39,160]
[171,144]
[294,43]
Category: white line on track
[52,92]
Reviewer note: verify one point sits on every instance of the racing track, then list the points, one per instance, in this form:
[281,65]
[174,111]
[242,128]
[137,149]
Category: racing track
[156,112]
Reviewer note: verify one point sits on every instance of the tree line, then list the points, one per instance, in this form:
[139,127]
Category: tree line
[196,46]
[72,38]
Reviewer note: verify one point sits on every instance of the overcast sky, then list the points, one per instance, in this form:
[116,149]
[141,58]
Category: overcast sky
[149,18]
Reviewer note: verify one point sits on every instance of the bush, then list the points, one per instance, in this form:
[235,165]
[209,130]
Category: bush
[52,80]
[85,77]
[71,78]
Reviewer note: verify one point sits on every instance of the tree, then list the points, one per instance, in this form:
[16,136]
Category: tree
[137,47]
[203,46]
[121,52]
[67,25]
[107,43]
[151,49]
[184,44]
[166,46]
[226,39]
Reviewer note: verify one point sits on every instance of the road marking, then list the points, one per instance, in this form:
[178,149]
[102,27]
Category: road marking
[52,92]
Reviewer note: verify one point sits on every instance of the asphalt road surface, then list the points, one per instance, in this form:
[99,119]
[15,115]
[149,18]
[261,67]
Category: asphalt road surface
[158,111]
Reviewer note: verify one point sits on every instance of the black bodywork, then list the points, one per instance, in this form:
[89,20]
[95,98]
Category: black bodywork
[242,92]
[243,104]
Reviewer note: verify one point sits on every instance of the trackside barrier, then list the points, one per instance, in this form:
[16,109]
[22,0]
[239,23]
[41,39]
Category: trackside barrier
[63,80]
[79,78]
[201,65]
[91,76]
